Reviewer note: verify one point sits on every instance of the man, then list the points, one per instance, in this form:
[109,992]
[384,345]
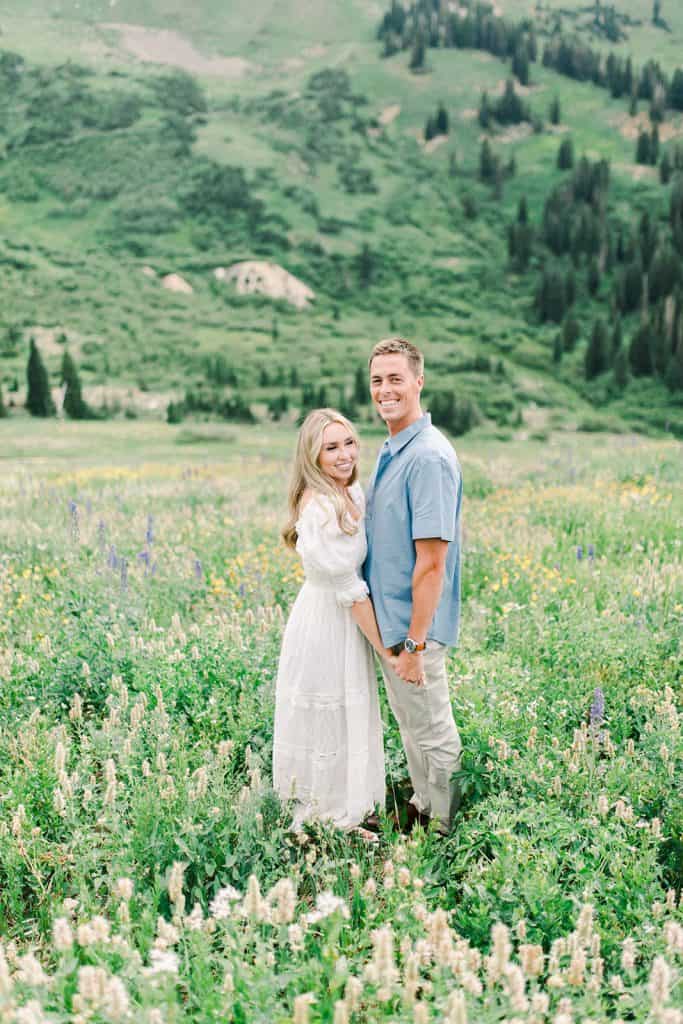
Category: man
[413,572]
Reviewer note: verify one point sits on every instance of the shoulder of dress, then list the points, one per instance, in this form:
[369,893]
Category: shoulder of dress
[316,505]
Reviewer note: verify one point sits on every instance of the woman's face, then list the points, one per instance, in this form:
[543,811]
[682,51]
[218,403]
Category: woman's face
[338,454]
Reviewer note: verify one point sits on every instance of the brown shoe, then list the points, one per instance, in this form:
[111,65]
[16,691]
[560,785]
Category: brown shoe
[415,817]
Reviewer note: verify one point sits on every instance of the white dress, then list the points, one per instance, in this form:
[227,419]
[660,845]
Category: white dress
[327,744]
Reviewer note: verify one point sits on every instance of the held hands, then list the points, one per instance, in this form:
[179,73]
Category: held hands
[409,667]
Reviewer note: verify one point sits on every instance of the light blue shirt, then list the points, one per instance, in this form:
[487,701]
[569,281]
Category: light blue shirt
[415,493]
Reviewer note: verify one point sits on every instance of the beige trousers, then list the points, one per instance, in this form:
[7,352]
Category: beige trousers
[429,734]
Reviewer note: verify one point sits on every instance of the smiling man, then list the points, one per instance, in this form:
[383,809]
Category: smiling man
[413,572]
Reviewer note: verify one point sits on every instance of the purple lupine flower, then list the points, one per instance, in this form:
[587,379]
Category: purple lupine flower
[149,535]
[101,531]
[88,506]
[112,560]
[144,557]
[597,712]
[591,552]
[579,553]
[153,570]
[73,507]
[124,574]
[198,571]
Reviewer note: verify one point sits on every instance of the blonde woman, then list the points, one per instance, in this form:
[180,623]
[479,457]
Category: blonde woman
[327,752]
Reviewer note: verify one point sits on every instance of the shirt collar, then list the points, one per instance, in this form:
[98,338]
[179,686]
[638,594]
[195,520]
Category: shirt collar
[398,441]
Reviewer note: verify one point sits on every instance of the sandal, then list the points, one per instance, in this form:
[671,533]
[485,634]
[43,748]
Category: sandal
[365,834]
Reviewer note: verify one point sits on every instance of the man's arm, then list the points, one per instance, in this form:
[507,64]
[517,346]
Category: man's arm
[427,584]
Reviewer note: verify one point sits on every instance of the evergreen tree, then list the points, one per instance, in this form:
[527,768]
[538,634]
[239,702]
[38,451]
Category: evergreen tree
[654,146]
[551,299]
[596,360]
[293,377]
[442,122]
[487,162]
[430,129]
[417,57]
[643,148]
[39,399]
[665,168]
[639,353]
[656,11]
[360,385]
[617,338]
[621,372]
[523,211]
[366,266]
[520,65]
[633,108]
[75,406]
[675,97]
[509,109]
[565,155]
[558,348]
[555,111]
[485,111]
[674,371]
[570,333]
[3,409]
[593,277]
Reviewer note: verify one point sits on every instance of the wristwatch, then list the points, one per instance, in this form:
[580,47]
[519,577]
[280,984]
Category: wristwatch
[412,646]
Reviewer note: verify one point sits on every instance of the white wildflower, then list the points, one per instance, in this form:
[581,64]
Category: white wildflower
[124,889]
[116,1002]
[62,936]
[221,904]
[326,905]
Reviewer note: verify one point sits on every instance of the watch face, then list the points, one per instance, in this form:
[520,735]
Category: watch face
[410,646]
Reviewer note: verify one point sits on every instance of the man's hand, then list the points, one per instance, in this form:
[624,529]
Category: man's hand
[410,667]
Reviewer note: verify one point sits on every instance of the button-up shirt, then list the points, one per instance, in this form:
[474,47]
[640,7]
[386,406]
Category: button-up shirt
[415,493]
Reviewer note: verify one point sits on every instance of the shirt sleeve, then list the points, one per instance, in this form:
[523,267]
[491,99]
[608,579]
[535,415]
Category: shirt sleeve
[329,553]
[433,490]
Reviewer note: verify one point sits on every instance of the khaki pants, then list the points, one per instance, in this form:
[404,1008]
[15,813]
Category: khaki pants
[429,734]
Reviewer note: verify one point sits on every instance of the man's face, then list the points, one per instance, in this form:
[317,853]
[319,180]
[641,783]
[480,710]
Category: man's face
[395,391]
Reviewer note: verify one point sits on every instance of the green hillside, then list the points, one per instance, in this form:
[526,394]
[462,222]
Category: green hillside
[180,138]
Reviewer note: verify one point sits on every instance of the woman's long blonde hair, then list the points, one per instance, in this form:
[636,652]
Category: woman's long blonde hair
[306,473]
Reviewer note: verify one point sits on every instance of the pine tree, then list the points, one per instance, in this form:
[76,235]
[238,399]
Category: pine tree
[39,399]
[674,371]
[417,57]
[442,122]
[360,385]
[639,353]
[596,353]
[665,169]
[366,266]
[593,277]
[74,405]
[565,155]
[520,65]
[485,111]
[430,129]
[558,348]
[555,111]
[621,372]
[570,333]
[617,338]
[3,409]
[523,211]
[654,146]
[643,149]
[487,162]
[656,11]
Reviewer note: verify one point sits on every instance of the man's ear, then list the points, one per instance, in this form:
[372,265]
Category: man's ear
[421,381]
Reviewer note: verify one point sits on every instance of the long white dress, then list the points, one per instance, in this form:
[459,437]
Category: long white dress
[327,746]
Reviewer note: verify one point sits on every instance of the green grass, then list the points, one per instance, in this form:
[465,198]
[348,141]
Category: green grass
[136,727]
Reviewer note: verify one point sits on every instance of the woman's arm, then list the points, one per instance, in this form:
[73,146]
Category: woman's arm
[363,614]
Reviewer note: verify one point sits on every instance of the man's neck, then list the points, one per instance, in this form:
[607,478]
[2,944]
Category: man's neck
[396,428]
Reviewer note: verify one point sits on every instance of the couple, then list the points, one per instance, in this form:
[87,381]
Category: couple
[385,575]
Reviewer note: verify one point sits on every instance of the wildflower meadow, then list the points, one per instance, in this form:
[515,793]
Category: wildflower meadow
[148,873]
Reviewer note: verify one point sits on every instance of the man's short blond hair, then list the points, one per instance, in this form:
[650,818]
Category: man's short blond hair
[399,346]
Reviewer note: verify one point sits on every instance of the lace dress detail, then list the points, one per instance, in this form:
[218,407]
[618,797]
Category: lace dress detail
[327,748]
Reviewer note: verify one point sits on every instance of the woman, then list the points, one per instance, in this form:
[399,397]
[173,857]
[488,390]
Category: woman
[327,751]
